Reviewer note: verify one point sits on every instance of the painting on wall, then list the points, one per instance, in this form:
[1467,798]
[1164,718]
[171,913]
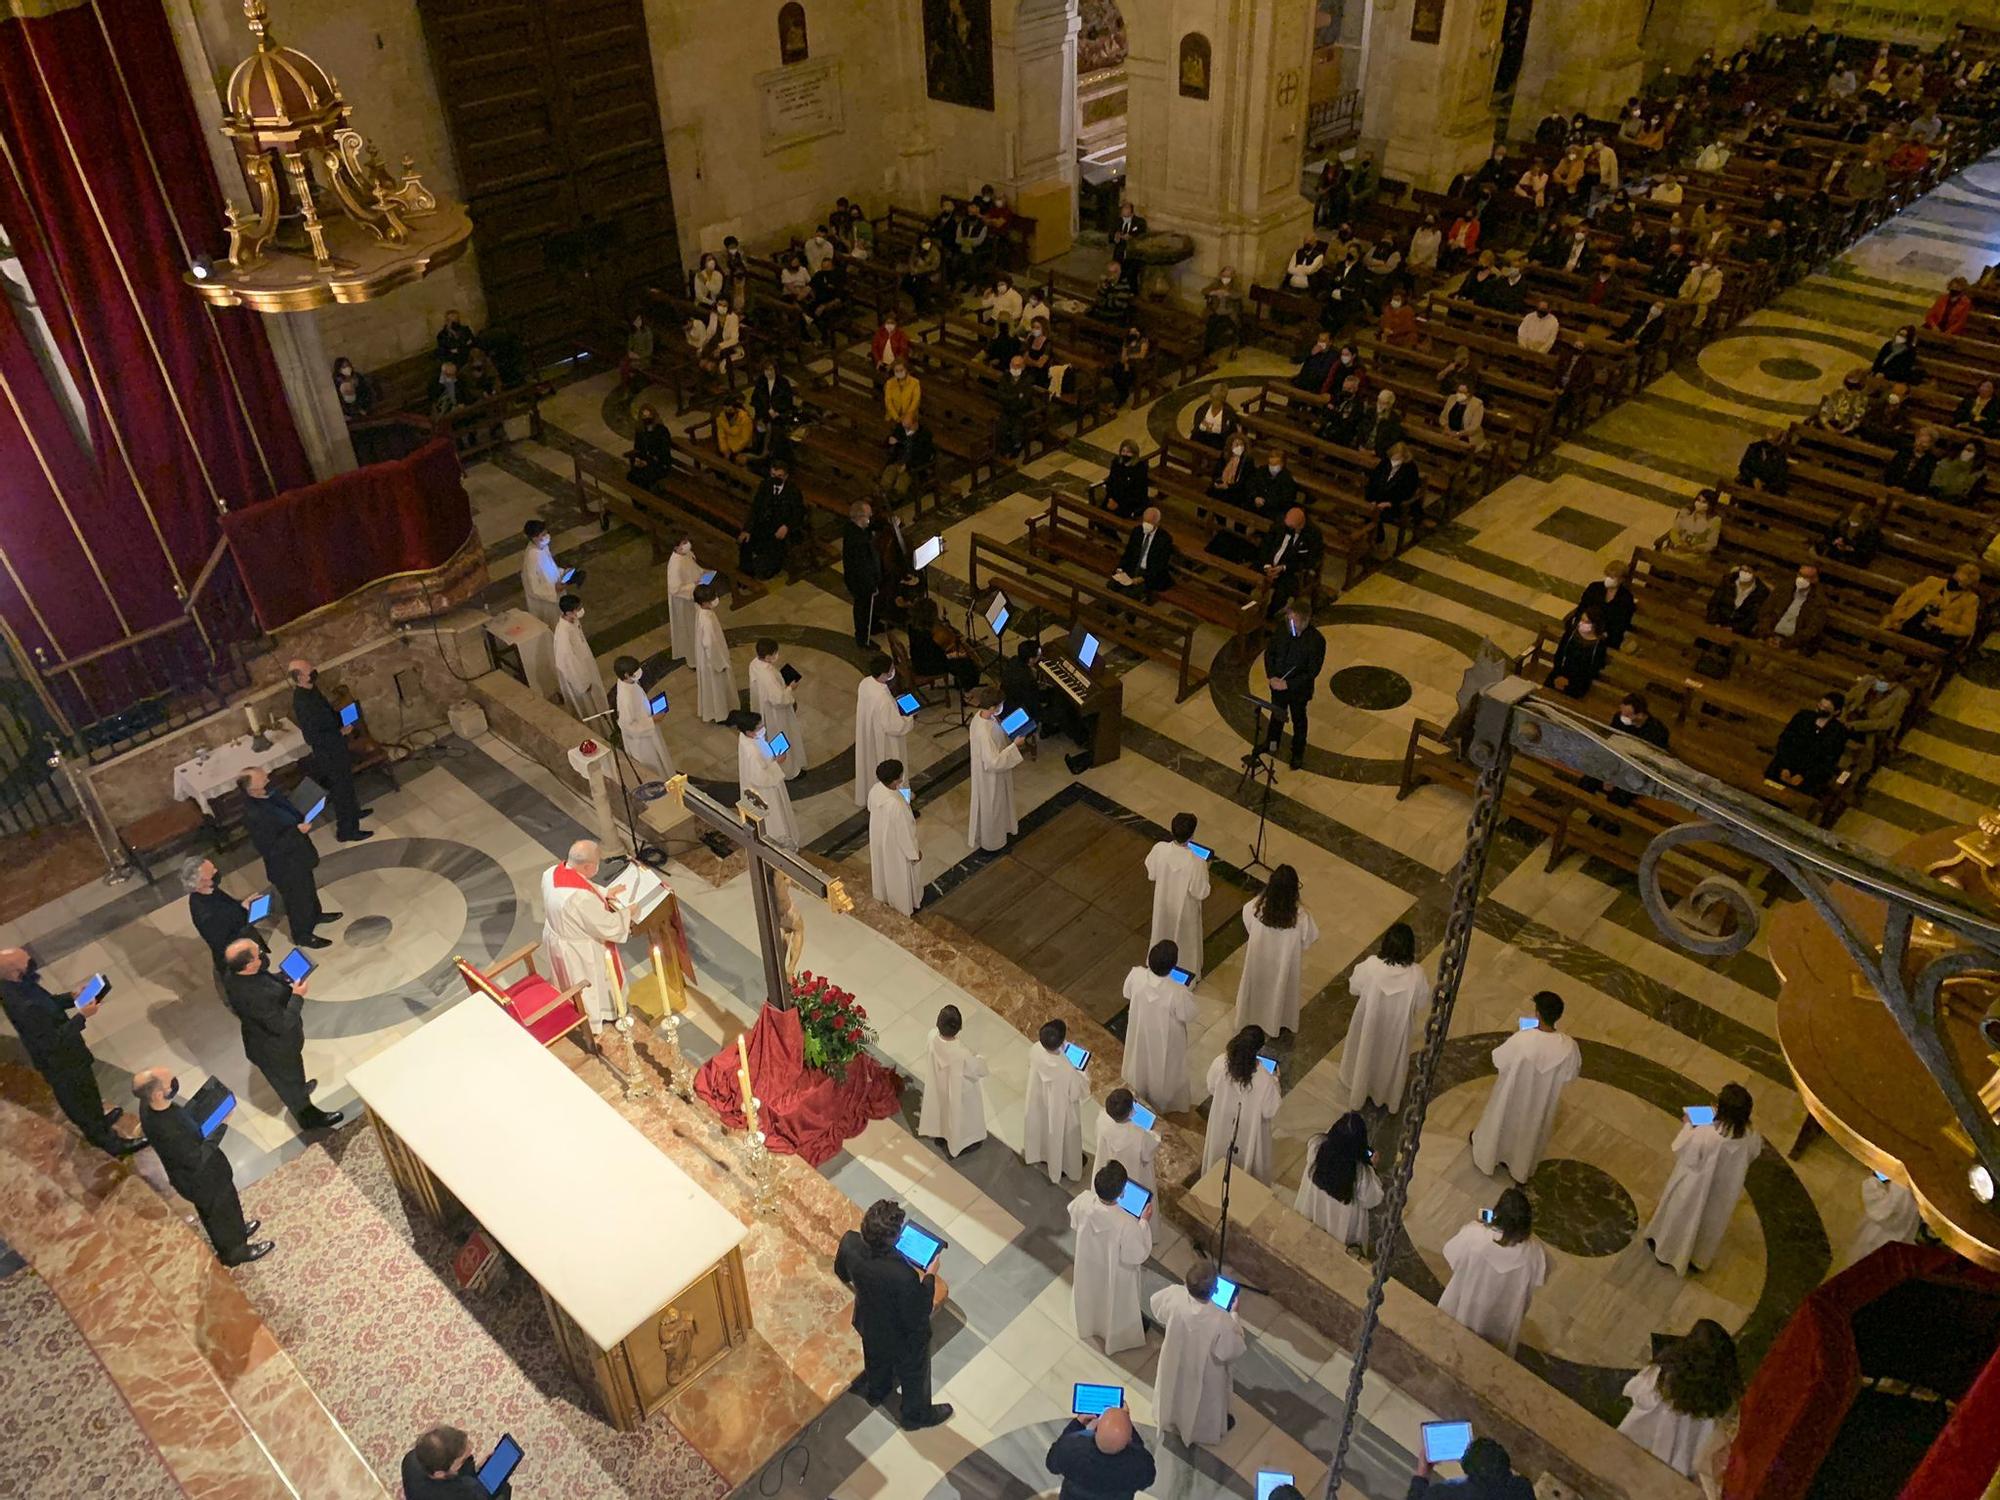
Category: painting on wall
[1427,21]
[792,46]
[958,52]
[1194,67]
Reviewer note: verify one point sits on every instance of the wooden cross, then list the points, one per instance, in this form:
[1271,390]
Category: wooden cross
[744,828]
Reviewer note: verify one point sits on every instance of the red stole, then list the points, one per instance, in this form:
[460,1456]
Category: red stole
[567,879]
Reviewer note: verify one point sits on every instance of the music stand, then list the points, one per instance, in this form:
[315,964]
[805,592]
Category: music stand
[1259,766]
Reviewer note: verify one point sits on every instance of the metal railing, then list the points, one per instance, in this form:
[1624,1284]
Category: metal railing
[1333,122]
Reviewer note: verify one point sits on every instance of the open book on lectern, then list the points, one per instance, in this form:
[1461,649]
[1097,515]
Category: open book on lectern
[640,889]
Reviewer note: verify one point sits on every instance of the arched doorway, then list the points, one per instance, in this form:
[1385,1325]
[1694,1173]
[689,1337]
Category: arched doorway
[1100,89]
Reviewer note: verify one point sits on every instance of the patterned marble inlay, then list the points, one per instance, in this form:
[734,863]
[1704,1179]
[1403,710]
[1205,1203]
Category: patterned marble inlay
[1581,1208]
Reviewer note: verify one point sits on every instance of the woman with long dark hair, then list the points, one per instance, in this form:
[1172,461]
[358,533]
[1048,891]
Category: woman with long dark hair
[1389,991]
[1496,1264]
[1339,1186]
[1710,1163]
[1280,932]
[1243,1100]
[1683,1399]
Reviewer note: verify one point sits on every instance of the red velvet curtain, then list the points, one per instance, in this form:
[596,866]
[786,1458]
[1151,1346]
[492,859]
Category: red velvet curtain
[106,193]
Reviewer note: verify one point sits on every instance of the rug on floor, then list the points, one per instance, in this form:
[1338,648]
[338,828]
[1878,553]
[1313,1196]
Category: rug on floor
[360,1294]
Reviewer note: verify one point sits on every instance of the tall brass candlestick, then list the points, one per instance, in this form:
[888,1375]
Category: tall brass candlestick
[635,1087]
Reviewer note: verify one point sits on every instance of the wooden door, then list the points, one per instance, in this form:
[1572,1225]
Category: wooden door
[556,130]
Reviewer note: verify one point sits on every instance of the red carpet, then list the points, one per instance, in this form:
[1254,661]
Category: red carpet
[804,1113]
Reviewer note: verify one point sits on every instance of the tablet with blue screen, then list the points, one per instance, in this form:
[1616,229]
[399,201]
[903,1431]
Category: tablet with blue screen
[500,1465]
[1015,723]
[567,575]
[1143,1117]
[1134,1198]
[708,577]
[904,793]
[1086,653]
[1180,976]
[216,1116]
[1225,1294]
[1199,851]
[779,744]
[908,703]
[297,966]
[1079,1057]
[1446,1442]
[350,716]
[919,1247]
[1268,1064]
[1528,1023]
[93,990]
[1701,1114]
[259,907]
[313,812]
[657,703]
[1087,1399]
[1270,1481]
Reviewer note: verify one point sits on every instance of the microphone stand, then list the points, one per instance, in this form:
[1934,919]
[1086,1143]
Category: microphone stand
[1222,1222]
[1258,766]
[640,849]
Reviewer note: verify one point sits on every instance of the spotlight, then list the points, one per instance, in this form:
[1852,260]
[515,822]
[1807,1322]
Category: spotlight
[203,268]
[1982,1184]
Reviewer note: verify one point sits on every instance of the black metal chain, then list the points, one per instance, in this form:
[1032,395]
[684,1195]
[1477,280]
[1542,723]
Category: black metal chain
[1480,827]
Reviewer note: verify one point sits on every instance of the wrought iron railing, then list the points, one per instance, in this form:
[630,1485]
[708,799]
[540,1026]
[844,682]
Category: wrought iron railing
[1333,122]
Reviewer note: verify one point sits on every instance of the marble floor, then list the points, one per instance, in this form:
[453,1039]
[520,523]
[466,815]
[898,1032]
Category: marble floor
[465,837]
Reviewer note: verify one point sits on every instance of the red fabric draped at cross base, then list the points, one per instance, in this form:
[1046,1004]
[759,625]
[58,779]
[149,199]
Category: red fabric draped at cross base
[107,191]
[313,546]
[804,1112]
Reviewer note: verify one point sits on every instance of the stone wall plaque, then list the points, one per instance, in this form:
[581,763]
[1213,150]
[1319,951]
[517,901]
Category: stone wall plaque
[799,103]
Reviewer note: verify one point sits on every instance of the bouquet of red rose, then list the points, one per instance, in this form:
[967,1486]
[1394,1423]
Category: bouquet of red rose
[836,1028]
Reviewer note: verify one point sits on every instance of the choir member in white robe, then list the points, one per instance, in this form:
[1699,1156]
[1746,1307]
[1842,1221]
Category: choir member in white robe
[991,821]
[1338,1188]
[1121,1139]
[683,615]
[1052,1134]
[1710,1163]
[1111,1246]
[1158,1012]
[757,770]
[1495,1269]
[637,728]
[776,702]
[1390,991]
[715,679]
[1888,1217]
[880,728]
[1535,1066]
[1192,1385]
[1180,885]
[576,667]
[1679,1403]
[893,856]
[540,573]
[581,932]
[1280,932]
[954,1108]
[1243,1099]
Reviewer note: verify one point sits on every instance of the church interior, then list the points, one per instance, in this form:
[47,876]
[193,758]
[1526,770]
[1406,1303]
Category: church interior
[1326,652]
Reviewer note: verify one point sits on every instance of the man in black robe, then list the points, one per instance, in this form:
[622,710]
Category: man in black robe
[860,570]
[279,832]
[196,1167]
[326,737]
[218,916]
[50,1026]
[267,1006]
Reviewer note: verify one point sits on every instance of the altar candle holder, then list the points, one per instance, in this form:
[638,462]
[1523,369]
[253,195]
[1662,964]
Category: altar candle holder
[635,1086]
[757,1154]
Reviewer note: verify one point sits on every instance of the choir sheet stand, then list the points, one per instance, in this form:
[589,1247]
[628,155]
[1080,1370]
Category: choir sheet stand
[1259,766]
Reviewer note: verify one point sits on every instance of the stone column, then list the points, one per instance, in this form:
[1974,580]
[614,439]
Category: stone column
[306,371]
[1430,103]
[1039,70]
[1581,55]
[1223,169]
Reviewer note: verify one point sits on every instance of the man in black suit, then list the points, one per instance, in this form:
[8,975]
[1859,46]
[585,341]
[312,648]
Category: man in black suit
[267,1006]
[1292,662]
[1131,224]
[1290,558]
[51,1029]
[774,406]
[860,569]
[454,340]
[1101,1459]
[892,1313]
[445,1466]
[651,456]
[196,1167]
[1146,567]
[218,916]
[1395,489]
[280,833]
[912,456]
[1273,490]
[777,516]
[1738,599]
[326,737]
[1017,395]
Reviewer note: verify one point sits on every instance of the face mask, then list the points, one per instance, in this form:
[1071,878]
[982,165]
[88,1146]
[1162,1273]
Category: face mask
[1146,527]
[174,1089]
[1395,301]
[1611,585]
[1801,584]
[1746,576]
[1275,468]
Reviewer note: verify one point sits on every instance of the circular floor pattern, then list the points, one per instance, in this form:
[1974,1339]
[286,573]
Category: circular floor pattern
[374,953]
[367,932]
[1375,688]
[1581,1208]
[1785,367]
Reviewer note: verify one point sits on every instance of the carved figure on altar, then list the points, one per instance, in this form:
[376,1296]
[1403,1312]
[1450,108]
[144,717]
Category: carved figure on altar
[582,926]
[791,923]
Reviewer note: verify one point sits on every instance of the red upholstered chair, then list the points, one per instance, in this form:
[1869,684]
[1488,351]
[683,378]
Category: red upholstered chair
[547,1013]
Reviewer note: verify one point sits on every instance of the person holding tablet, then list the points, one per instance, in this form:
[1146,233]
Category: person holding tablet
[1052,1133]
[326,737]
[880,727]
[1158,1014]
[758,770]
[638,723]
[1535,1065]
[991,821]
[1712,1156]
[893,1305]
[775,700]
[894,858]
[1496,1264]
[1101,1458]
[1111,1246]
[50,1026]
[954,1107]
[1178,869]
[444,1465]
[196,1167]
[1123,1139]
[1244,1099]
[219,917]
[1192,1387]
[1489,1475]
[281,834]
[267,1007]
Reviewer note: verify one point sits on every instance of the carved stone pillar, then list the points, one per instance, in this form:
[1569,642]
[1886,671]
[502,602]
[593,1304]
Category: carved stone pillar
[1428,96]
[1581,55]
[306,370]
[1042,70]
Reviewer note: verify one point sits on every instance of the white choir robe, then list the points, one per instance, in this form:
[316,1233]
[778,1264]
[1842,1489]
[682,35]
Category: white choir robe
[1376,1058]
[1674,1438]
[1156,1033]
[1111,1246]
[538,584]
[1191,1387]
[1259,1105]
[994,756]
[1180,884]
[1346,1222]
[641,731]
[1133,1147]
[893,857]
[683,573]
[1709,1168]
[879,732]
[1268,992]
[954,1108]
[578,933]
[1534,1067]
[1888,1217]
[774,699]
[576,673]
[1491,1283]
[1052,1133]
[715,679]
[757,770]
